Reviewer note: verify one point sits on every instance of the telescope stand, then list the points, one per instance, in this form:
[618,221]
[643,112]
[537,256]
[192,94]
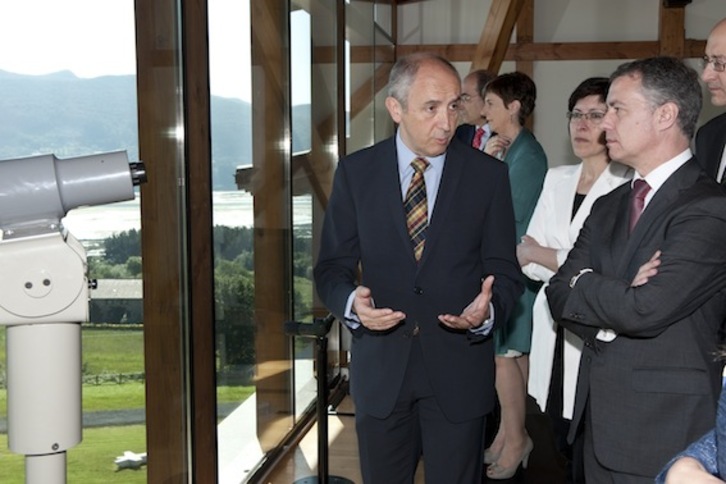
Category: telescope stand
[44,297]
[319,330]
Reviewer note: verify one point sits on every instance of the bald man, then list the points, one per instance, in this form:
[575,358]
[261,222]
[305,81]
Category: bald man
[711,137]
[474,129]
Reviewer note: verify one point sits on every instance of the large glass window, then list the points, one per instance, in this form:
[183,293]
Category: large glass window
[70,89]
[233,219]
[268,139]
[301,124]
[67,74]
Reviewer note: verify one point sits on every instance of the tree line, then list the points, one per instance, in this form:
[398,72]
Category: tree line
[233,282]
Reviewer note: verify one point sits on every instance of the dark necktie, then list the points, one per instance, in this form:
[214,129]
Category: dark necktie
[637,200]
[417,208]
[478,136]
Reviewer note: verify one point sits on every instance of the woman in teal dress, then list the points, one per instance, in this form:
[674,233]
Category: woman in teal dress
[508,100]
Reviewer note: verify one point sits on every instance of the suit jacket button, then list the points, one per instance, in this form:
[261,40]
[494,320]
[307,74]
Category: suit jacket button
[418,291]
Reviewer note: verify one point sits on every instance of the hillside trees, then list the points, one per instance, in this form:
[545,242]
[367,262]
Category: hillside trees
[233,287]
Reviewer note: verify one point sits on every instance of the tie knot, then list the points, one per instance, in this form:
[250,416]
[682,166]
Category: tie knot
[640,188]
[420,164]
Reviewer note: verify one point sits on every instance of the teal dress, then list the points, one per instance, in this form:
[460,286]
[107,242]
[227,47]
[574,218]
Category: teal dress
[527,168]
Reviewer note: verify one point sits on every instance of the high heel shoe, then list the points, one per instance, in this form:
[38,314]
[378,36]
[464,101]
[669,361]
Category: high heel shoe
[490,457]
[497,472]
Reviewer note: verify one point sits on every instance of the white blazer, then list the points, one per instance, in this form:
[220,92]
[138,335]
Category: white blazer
[553,226]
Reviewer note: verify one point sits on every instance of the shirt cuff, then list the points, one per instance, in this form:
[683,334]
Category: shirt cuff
[606,335]
[487,325]
[351,319]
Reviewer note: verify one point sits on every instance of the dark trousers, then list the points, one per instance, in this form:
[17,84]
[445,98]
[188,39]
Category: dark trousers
[390,448]
[572,452]
[560,425]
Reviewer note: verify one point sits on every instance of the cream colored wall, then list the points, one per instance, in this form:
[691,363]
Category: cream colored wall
[442,22]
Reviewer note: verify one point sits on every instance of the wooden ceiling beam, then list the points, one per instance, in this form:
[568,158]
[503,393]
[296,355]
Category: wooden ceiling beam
[672,30]
[525,35]
[494,40]
[551,51]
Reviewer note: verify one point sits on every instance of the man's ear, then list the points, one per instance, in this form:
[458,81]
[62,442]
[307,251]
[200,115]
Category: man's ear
[394,109]
[667,115]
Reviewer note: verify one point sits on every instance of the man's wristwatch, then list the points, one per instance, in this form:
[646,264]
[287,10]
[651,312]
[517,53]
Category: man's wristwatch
[577,276]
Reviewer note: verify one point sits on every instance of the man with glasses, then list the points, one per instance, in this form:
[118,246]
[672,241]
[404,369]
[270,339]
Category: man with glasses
[474,129]
[711,137]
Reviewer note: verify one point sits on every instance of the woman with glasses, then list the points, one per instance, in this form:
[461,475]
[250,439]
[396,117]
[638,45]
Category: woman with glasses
[508,100]
[567,196]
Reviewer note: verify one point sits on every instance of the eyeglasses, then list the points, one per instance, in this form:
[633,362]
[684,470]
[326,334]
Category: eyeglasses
[718,65]
[595,117]
[465,98]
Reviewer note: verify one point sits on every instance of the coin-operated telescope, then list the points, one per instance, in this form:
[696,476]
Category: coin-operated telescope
[44,295]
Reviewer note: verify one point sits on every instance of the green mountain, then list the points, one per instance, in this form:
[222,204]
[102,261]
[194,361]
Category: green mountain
[69,116]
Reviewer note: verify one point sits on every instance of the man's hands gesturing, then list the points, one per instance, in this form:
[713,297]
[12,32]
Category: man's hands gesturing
[372,318]
[475,313]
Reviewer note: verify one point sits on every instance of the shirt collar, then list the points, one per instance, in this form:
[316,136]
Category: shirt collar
[406,156]
[658,177]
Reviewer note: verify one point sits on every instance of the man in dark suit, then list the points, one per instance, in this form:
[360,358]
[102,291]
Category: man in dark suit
[711,137]
[422,367]
[474,129]
[648,303]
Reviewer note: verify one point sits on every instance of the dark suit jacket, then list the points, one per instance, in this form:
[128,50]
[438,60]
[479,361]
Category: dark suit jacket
[465,133]
[709,450]
[710,141]
[654,388]
[471,235]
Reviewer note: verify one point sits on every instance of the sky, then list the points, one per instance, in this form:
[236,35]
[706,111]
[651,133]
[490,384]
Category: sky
[94,38]
[88,37]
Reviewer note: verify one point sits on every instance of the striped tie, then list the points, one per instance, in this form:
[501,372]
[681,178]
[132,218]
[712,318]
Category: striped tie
[416,207]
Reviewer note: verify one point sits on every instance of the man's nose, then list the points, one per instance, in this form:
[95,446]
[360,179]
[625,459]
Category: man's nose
[447,119]
[708,73]
[607,123]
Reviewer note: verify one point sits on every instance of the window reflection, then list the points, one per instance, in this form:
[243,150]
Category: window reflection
[233,241]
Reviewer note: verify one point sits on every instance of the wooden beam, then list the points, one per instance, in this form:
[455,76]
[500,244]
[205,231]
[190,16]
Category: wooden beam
[548,51]
[200,251]
[525,23]
[525,35]
[672,31]
[159,111]
[495,37]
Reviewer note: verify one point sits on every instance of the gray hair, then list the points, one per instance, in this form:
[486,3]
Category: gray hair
[404,72]
[664,80]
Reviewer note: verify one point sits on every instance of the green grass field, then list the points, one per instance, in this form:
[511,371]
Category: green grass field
[104,350]
[112,351]
[90,462]
[107,352]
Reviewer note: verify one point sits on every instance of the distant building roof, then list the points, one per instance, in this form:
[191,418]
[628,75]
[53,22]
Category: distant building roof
[118,289]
